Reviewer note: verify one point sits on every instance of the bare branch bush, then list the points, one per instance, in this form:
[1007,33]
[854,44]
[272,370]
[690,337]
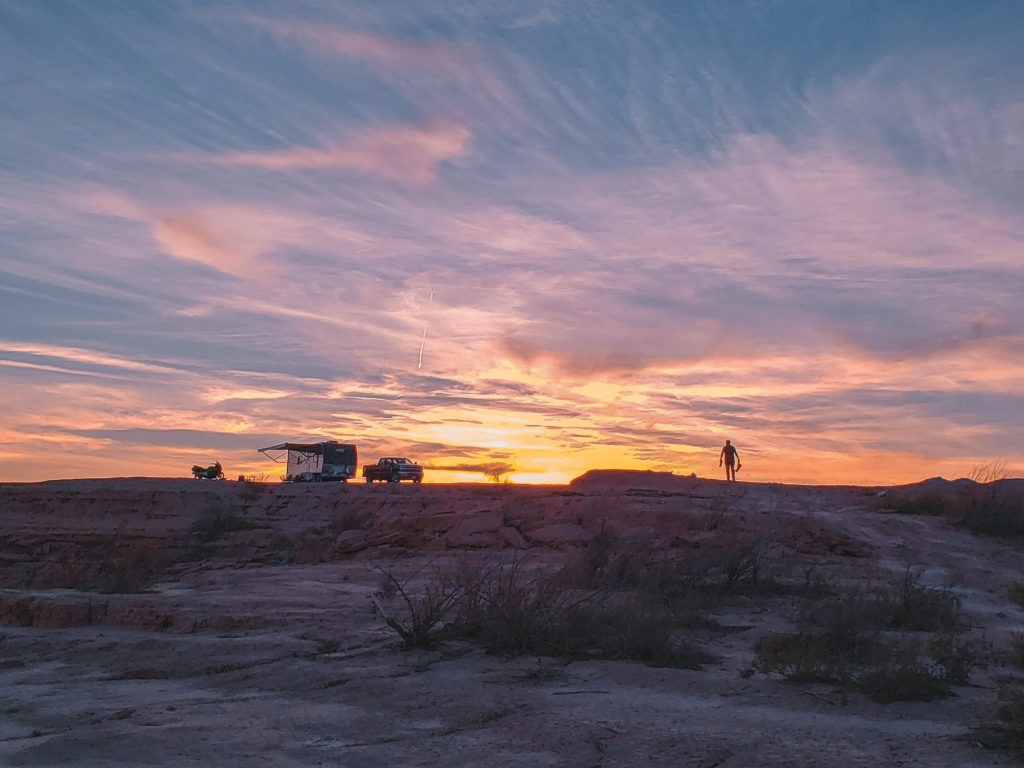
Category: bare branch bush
[423,621]
[989,471]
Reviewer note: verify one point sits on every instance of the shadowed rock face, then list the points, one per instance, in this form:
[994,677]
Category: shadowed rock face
[99,535]
[229,623]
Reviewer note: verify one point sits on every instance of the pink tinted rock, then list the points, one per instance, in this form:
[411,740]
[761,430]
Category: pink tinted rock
[351,541]
[513,537]
[559,534]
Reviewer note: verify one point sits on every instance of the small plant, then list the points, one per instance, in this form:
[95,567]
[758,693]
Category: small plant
[954,657]
[912,606]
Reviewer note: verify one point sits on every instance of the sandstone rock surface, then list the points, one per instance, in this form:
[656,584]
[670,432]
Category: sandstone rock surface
[188,623]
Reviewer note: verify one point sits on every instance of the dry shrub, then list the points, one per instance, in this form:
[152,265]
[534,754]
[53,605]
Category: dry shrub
[425,616]
[131,567]
[996,509]
[857,639]
[915,607]
[509,609]
[218,519]
[903,681]
[514,607]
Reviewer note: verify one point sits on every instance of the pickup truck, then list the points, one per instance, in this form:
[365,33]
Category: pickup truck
[393,470]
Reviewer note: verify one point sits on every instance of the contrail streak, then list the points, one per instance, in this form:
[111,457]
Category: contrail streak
[423,341]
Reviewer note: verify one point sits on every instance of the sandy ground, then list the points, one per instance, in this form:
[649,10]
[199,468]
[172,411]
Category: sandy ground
[268,650]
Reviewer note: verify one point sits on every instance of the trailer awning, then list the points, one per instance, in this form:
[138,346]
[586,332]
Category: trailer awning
[300,447]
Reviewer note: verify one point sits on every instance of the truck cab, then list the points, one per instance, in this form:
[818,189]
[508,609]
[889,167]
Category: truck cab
[393,469]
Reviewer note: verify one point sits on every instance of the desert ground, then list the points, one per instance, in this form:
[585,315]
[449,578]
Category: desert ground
[626,619]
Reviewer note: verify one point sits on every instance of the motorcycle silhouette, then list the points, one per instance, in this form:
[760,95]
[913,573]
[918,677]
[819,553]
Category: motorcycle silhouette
[212,472]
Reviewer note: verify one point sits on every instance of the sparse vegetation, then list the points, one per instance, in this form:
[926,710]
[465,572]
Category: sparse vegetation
[861,640]
[515,607]
[990,504]
[996,509]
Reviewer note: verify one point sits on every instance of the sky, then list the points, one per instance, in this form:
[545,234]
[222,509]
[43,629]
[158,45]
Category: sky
[513,241]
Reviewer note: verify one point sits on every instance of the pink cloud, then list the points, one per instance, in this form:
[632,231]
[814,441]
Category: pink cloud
[229,237]
[337,41]
[408,155]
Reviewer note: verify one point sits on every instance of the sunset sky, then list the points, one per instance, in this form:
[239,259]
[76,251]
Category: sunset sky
[513,240]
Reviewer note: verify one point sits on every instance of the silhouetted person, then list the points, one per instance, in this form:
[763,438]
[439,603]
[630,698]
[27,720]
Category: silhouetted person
[731,457]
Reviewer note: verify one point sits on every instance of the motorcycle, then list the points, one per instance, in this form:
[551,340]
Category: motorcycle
[212,472]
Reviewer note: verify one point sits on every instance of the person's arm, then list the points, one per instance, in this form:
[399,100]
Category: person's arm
[721,454]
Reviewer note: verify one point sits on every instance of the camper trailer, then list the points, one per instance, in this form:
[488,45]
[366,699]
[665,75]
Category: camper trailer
[325,462]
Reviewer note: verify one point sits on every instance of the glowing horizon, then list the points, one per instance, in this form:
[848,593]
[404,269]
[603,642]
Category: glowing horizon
[627,234]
